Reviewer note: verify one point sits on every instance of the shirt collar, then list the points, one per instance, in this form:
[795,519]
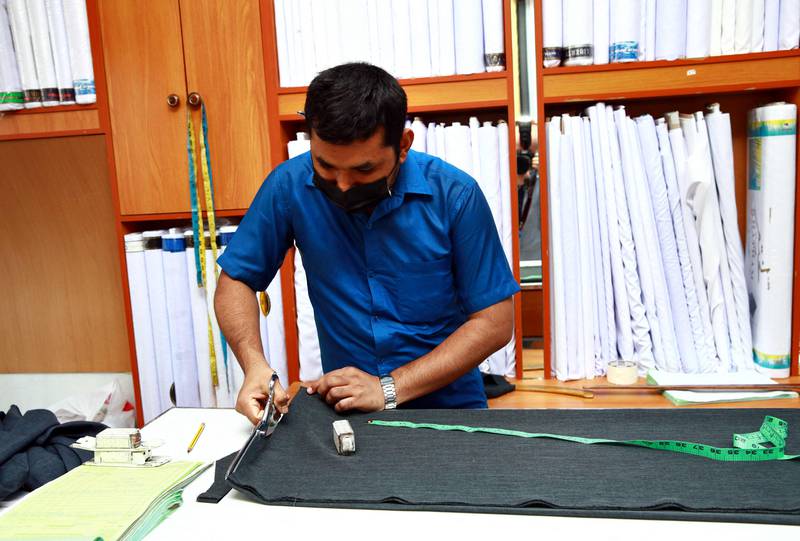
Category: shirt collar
[409,179]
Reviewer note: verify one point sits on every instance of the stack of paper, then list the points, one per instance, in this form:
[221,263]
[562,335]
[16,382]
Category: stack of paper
[683,398]
[100,503]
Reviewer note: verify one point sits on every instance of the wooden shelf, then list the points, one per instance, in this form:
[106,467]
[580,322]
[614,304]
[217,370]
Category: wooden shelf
[638,80]
[50,122]
[465,92]
[134,218]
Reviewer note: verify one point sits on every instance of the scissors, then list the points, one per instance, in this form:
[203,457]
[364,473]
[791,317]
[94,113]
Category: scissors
[265,427]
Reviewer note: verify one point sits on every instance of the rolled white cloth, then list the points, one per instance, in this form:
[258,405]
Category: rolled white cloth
[578,28]
[552,35]
[625,30]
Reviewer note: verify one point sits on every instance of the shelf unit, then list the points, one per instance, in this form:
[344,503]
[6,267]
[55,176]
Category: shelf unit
[63,307]
[737,82]
[449,98]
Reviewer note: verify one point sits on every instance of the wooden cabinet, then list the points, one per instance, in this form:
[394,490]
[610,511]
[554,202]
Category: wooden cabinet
[159,48]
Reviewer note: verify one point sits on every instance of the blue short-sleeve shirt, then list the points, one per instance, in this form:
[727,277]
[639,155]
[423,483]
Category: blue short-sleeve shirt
[390,286]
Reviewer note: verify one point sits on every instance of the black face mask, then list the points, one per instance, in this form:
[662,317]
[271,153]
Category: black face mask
[360,196]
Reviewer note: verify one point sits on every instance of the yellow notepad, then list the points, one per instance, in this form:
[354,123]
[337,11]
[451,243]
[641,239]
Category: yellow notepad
[107,503]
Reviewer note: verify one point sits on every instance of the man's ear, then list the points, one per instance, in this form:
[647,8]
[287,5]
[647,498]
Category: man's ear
[406,140]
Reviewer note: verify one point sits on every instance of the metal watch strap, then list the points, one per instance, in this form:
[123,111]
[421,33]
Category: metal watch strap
[389,393]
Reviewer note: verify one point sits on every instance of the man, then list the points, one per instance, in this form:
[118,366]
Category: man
[406,274]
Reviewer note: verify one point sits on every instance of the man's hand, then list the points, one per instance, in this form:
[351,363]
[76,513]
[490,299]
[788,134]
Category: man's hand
[349,389]
[255,389]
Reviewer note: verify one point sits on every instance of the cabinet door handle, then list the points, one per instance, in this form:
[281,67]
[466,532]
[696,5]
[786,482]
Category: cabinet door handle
[195,99]
[173,100]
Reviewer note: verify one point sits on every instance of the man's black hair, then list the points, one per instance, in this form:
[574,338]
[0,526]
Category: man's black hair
[349,102]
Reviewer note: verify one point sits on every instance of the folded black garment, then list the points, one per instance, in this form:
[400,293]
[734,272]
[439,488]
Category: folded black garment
[495,386]
[400,468]
[35,448]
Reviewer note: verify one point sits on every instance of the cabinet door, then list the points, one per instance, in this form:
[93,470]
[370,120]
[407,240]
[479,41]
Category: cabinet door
[144,65]
[225,65]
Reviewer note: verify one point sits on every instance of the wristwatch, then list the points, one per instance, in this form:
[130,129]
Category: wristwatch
[389,393]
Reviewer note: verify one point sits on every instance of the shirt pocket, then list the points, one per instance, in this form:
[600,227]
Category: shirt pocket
[423,292]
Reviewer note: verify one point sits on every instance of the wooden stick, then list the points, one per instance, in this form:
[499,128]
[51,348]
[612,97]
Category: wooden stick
[555,389]
[719,388]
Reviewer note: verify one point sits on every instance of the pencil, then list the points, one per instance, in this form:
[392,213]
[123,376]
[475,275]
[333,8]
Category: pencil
[196,437]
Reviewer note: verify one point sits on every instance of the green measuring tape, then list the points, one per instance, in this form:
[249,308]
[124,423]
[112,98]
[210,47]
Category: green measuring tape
[750,447]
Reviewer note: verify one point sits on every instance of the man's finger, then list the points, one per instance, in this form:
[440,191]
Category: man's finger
[338,393]
[345,404]
[329,381]
[311,386]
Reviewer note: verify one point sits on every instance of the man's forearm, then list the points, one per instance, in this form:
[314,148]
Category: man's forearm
[483,334]
[237,313]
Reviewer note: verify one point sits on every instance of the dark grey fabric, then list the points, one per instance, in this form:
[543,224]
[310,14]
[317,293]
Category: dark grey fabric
[35,448]
[424,469]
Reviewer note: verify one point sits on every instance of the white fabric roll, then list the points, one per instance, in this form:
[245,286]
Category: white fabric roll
[354,30]
[529,24]
[319,38]
[670,29]
[281,40]
[701,201]
[772,141]
[420,39]
[661,321]
[679,325]
[300,145]
[430,140]
[625,30]
[334,36]
[640,328]
[402,39]
[60,46]
[200,323]
[42,52]
[708,359]
[619,320]
[772,10]
[159,319]
[642,240]
[307,338]
[475,147]
[570,241]
[585,248]
[715,25]
[649,30]
[23,48]
[294,52]
[80,50]
[493,35]
[505,188]
[447,37]
[757,26]
[433,33]
[690,362]
[744,26]
[699,28]
[11,97]
[720,138]
[489,177]
[385,35]
[441,147]
[468,28]
[789,25]
[558,330]
[552,35]
[142,327]
[373,53]
[601,35]
[578,29]
[420,135]
[727,42]
[179,310]
[457,148]
[734,333]
[602,267]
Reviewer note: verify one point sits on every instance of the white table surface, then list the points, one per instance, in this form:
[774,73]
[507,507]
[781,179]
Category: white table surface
[237,517]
